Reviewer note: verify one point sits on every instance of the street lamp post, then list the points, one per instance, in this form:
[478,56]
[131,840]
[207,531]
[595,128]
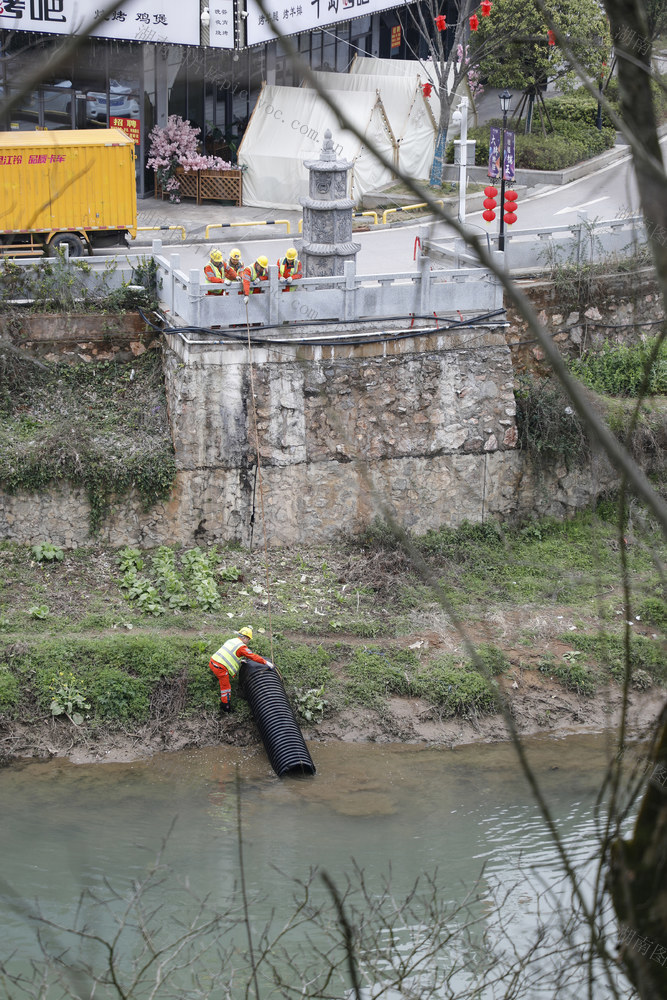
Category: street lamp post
[505,101]
[461,115]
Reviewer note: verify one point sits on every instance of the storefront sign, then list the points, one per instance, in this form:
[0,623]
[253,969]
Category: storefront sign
[221,27]
[133,20]
[396,36]
[130,126]
[305,15]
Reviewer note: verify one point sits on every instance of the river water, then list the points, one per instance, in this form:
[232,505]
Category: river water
[379,817]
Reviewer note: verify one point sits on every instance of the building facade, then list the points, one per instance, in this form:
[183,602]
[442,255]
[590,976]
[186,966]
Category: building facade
[80,64]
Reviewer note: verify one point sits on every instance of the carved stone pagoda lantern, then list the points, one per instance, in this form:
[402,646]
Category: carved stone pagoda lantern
[327,216]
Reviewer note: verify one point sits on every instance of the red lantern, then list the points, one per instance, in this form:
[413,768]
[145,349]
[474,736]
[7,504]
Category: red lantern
[510,207]
[551,37]
[486,8]
[489,203]
[474,22]
[426,89]
[441,22]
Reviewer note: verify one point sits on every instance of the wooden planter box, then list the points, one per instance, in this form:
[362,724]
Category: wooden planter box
[221,185]
[206,185]
[189,185]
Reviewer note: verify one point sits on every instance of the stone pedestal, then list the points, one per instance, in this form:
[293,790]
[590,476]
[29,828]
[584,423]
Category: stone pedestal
[327,216]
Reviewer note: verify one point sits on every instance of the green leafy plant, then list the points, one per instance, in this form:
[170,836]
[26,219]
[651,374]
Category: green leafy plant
[38,611]
[67,697]
[45,552]
[311,704]
[129,559]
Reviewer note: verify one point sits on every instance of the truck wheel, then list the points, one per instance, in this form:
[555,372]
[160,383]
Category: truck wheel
[74,243]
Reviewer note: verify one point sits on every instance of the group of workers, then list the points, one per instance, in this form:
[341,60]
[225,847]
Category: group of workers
[226,661]
[220,272]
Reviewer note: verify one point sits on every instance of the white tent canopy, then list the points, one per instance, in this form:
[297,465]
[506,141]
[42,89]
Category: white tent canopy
[423,72]
[288,126]
[409,113]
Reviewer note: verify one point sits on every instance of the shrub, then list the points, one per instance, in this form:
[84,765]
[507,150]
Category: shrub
[572,675]
[116,695]
[621,369]
[457,690]
[549,429]
[569,143]
[654,611]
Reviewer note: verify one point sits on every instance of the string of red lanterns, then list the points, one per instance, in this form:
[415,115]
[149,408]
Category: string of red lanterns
[485,9]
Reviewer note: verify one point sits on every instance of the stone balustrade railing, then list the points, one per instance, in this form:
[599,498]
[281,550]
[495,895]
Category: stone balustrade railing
[350,298]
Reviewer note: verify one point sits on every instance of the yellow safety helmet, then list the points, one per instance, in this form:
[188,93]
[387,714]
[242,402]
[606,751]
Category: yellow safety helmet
[291,254]
[216,257]
[246,631]
[263,261]
[235,254]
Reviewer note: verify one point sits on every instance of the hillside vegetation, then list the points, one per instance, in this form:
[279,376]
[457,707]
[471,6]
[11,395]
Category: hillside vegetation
[100,646]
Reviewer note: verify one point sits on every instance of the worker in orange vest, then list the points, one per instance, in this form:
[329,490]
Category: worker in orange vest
[253,274]
[289,268]
[219,273]
[225,663]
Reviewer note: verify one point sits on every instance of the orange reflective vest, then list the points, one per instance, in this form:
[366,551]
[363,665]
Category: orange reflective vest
[250,274]
[215,274]
[289,268]
[226,656]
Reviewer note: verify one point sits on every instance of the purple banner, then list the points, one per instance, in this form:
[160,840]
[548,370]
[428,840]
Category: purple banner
[494,152]
[508,157]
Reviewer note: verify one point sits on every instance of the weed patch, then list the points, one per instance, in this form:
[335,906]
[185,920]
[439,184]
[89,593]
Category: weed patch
[455,689]
[101,427]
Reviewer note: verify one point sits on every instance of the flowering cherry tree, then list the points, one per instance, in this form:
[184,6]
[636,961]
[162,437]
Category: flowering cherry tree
[175,145]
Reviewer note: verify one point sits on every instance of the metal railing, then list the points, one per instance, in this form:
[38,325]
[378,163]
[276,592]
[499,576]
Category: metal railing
[408,208]
[241,225]
[148,229]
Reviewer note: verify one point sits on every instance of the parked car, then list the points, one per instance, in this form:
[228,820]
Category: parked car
[120,103]
[58,99]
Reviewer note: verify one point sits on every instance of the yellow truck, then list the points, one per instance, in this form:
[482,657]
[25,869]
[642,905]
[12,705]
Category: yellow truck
[69,188]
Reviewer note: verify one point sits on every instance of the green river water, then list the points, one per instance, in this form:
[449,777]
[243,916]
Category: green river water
[464,817]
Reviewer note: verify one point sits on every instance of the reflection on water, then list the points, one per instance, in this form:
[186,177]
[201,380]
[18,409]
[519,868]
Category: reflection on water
[390,811]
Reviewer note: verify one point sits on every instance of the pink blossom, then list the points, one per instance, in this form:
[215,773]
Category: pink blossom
[175,145]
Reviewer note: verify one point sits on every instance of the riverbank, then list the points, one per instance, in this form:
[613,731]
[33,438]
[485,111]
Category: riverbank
[104,653]
[542,710]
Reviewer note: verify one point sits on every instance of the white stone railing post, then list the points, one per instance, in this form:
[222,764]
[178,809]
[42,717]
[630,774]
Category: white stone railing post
[174,265]
[350,307]
[425,286]
[194,297]
[274,296]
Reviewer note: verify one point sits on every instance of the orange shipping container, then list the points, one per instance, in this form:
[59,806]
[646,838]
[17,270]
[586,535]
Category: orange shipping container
[66,188]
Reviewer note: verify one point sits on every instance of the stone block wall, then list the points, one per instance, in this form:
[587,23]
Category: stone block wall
[420,427]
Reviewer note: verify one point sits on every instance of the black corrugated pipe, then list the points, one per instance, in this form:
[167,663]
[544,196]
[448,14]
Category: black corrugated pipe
[284,743]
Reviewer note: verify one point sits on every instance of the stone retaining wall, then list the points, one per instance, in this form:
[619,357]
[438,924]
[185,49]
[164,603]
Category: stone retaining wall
[420,427]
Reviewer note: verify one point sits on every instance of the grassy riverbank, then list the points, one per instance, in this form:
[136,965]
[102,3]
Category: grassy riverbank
[117,643]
